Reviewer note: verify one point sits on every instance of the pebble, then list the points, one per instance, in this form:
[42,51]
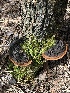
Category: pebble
[7,79]
[0,49]
[42,76]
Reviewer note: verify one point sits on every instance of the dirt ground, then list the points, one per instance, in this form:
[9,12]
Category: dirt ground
[10,29]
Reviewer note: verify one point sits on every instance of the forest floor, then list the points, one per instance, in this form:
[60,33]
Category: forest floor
[10,28]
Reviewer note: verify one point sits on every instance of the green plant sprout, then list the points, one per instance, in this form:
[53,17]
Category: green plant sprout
[34,48]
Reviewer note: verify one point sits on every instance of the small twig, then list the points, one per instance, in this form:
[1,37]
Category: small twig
[33,87]
[7,71]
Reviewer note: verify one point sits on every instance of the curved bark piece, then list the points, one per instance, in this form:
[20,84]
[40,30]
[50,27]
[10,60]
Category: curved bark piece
[56,57]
